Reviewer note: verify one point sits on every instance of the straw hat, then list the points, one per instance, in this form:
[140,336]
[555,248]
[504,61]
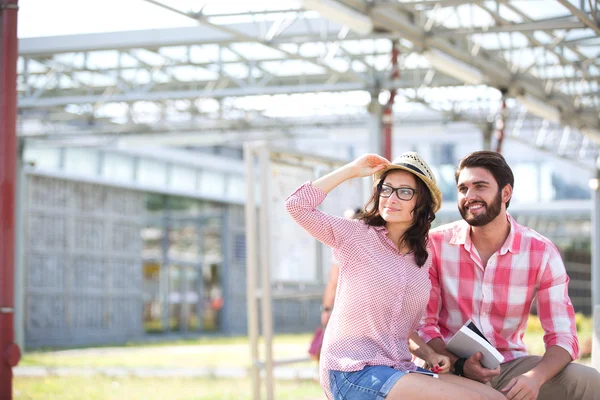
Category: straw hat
[414,163]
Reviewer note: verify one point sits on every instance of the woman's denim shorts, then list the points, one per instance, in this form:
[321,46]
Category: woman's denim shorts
[370,383]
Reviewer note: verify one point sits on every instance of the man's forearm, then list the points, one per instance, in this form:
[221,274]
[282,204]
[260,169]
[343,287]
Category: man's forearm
[553,361]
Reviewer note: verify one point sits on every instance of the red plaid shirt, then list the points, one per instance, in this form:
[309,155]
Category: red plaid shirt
[498,297]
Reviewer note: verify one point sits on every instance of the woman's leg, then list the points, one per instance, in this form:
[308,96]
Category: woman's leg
[479,387]
[422,387]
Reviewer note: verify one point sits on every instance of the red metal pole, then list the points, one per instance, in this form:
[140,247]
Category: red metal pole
[388,112]
[387,123]
[10,353]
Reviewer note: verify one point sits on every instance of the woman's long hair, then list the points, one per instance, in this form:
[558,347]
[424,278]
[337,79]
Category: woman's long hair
[416,236]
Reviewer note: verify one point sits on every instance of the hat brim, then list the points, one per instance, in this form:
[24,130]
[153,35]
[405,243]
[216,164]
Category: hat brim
[436,194]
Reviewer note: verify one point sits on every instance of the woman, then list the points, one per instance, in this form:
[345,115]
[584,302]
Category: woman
[383,284]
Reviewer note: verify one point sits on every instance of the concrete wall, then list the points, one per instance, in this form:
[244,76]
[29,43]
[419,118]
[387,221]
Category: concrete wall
[82,263]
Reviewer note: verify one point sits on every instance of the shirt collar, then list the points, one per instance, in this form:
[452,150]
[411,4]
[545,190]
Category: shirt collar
[380,228]
[461,235]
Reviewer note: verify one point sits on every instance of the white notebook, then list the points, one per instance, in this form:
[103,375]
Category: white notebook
[469,340]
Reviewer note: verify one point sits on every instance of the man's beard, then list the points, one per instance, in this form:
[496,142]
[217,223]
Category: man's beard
[491,211]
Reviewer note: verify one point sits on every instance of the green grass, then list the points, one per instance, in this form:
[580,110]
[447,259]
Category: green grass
[214,351]
[202,352]
[534,337]
[220,351]
[188,353]
[104,388]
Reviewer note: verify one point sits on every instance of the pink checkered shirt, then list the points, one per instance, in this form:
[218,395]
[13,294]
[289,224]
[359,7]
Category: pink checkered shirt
[498,297]
[381,294]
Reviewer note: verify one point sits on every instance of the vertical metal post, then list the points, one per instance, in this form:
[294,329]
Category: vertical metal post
[487,131]
[595,186]
[200,268]
[252,269]
[9,351]
[164,269]
[21,212]
[387,117]
[375,126]
[226,267]
[500,124]
[387,120]
[266,299]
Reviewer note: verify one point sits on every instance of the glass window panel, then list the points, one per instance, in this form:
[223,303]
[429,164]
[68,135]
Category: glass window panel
[152,238]
[152,297]
[212,183]
[213,296]
[184,242]
[81,161]
[183,206]
[117,167]
[152,172]
[212,246]
[43,158]
[236,187]
[175,297]
[155,203]
[210,208]
[193,299]
[183,178]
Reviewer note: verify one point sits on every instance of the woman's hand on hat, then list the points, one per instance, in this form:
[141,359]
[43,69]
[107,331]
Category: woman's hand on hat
[368,164]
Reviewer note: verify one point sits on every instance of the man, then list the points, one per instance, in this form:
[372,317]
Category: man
[489,269]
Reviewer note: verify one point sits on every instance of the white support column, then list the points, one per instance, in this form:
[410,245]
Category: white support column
[596,339]
[265,270]
[252,270]
[20,223]
[595,186]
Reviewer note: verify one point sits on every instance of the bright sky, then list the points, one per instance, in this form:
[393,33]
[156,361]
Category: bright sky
[69,17]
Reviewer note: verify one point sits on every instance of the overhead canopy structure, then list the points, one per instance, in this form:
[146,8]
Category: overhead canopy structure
[253,72]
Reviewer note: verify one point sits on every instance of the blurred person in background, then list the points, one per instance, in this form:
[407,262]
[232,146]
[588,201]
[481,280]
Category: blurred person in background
[328,298]
[489,269]
[332,279]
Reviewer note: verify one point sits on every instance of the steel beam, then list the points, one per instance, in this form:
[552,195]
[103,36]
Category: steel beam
[494,67]
[582,16]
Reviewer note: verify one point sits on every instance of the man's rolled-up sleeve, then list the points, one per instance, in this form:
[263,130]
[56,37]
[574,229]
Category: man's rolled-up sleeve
[554,306]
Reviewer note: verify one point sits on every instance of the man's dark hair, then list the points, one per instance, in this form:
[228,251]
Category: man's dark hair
[493,162]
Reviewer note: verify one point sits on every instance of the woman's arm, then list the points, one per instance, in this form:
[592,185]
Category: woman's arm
[438,363]
[302,204]
[365,165]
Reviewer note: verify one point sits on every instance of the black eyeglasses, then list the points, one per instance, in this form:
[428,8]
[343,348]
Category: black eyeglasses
[403,193]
